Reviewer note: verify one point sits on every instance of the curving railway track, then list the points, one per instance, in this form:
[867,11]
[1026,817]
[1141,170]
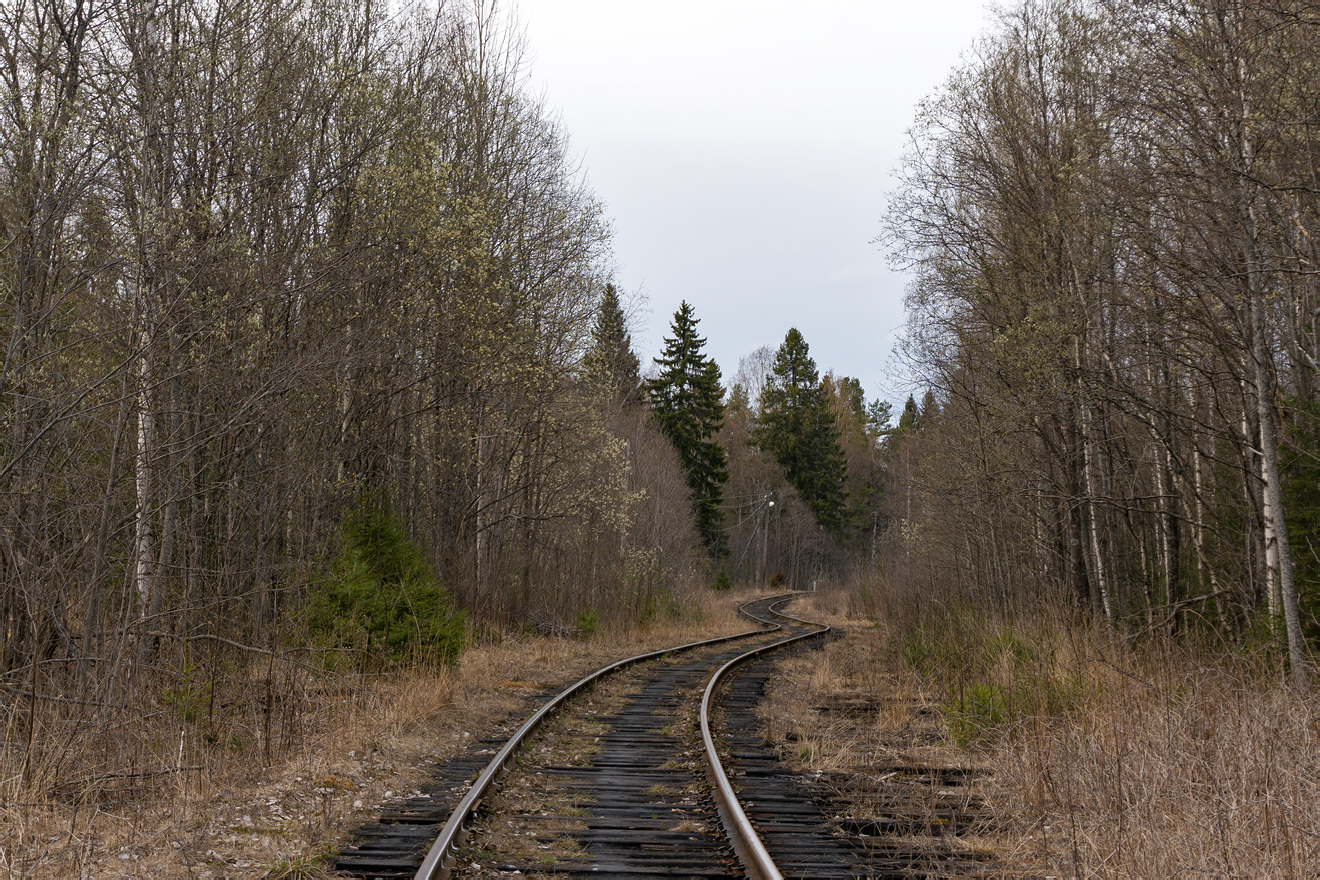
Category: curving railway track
[659,773]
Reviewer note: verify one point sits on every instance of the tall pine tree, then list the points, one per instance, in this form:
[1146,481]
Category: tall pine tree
[797,426]
[611,360]
[688,403]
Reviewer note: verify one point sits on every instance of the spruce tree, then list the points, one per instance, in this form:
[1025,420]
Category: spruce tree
[611,360]
[797,426]
[907,422]
[687,401]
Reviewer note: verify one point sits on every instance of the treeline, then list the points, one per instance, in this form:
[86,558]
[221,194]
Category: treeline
[310,345]
[295,292]
[786,475]
[1111,211]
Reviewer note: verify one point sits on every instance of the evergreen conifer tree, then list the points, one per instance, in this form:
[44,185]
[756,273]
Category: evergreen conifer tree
[908,420]
[611,360]
[687,401]
[797,426]
[878,414]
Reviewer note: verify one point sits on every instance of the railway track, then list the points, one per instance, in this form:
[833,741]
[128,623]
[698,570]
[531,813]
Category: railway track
[642,777]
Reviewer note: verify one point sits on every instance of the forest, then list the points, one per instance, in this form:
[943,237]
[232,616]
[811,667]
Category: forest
[1102,554]
[313,365]
[315,368]
[1110,211]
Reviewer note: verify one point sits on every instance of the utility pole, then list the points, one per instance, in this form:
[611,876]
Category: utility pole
[765,534]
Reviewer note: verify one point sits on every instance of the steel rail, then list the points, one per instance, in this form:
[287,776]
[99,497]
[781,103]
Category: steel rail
[440,859]
[737,827]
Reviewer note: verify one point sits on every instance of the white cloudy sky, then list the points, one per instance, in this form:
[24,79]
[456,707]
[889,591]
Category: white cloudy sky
[743,150]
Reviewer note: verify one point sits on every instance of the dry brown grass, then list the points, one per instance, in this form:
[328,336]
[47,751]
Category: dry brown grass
[1173,766]
[1112,759]
[272,790]
[868,731]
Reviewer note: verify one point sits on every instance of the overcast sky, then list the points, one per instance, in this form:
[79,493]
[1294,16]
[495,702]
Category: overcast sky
[743,150]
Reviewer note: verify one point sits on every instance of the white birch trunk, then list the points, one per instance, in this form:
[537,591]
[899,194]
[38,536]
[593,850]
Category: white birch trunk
[1204,568]
[143,568]
[1089,467]
[1275,523]
[1091,481]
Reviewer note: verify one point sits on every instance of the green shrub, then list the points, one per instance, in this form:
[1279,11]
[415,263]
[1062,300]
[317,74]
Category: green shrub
[190,699]
[588,622]
[381,595]
[989,709]
[722,579]
[658,604]
[941,646]
[993,676]
[979,714]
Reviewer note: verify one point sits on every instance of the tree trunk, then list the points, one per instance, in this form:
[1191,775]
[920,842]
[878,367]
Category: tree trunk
[143,568]
[1091,487]
[1276,524]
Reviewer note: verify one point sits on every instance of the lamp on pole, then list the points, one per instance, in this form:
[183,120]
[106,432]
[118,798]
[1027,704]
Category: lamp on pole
[765,534]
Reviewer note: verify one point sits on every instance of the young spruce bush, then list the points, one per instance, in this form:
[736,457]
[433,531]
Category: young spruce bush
[588,622]
[993,676]
[382,596]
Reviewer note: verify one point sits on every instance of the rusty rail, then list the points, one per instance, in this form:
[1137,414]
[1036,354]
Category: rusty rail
[440,859]
[746,842]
